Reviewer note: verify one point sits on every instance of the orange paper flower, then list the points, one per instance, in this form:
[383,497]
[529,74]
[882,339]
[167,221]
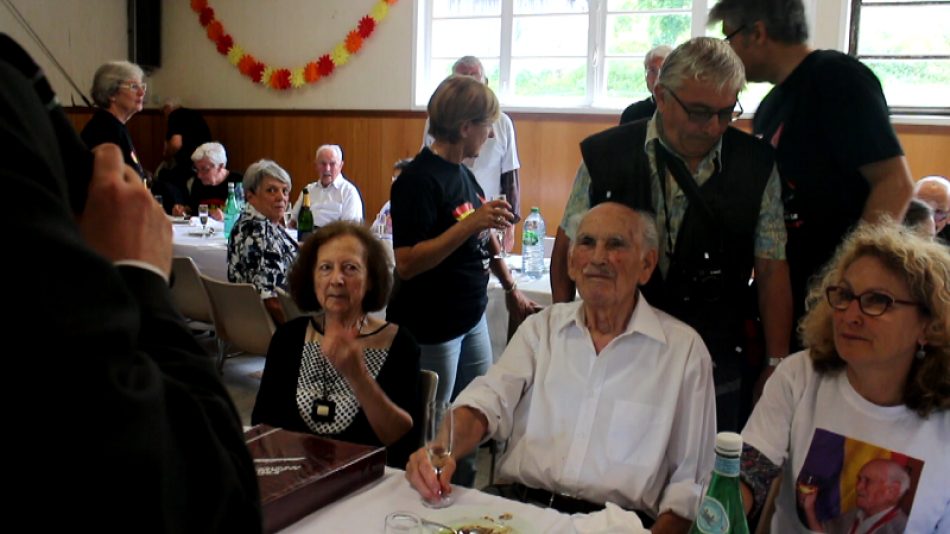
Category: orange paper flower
[354,42]
[214,30]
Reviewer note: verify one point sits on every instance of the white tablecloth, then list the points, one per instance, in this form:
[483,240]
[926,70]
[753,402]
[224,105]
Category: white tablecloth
[209,252]
[538,290]
[366,510]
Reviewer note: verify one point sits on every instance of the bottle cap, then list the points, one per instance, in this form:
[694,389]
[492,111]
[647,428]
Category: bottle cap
[728,443]
[535,209]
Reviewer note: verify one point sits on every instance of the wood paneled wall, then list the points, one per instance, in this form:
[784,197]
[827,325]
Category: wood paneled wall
[373,140]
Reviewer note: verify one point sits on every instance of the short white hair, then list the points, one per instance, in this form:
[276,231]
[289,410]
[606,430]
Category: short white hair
[333,148]
[213,151]
[655,52]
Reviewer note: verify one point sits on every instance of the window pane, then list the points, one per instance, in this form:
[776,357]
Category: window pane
[904,30]
[634,5]
[625,79]
[454,38]
[636,34]
[553,77]
[455,8]
[556,35]
[914,83]
[528,7]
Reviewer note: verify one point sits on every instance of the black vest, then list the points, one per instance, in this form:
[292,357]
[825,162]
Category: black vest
[707,283]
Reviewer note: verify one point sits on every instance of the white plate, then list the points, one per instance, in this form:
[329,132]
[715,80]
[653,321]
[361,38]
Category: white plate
[199,233]
[458,516]
[180,221]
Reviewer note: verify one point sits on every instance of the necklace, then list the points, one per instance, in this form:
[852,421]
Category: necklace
[321,327]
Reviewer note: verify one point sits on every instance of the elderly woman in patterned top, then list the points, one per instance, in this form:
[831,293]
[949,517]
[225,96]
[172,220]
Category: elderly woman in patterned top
[341,372]
[260,252]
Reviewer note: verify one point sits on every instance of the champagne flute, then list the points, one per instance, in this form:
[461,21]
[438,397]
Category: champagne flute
[439,435]
[203,217]
[500,234]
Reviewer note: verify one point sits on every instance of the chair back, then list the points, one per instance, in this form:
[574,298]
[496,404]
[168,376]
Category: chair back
[240,318]
[188,292]
[291,311]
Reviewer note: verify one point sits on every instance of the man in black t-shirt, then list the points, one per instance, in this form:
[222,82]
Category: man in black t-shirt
[836,151]
[185,132]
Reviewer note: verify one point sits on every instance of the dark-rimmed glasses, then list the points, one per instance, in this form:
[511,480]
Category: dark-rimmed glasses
[733,33]
[702,116]
[871,303]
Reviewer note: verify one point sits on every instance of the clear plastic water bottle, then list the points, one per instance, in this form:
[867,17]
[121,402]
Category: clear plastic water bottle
[230,211]
[532,244]
[239,195]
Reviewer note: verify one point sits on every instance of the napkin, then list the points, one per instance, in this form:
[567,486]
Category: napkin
[611,520]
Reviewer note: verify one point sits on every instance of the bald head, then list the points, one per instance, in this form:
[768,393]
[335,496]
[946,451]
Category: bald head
[935,191]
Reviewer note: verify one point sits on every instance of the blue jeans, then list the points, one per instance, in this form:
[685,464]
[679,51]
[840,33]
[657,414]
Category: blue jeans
[458,361]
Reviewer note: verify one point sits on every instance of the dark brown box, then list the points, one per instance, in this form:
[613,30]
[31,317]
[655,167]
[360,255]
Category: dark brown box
[300,473]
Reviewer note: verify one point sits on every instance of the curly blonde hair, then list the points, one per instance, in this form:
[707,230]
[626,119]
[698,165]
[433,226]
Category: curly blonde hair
[925,266]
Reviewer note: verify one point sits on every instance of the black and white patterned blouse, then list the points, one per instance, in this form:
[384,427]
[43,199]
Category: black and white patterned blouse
[260,253]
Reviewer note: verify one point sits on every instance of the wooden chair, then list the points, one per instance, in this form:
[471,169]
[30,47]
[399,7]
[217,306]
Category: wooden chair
[240,318]
[764,525]
[189,295]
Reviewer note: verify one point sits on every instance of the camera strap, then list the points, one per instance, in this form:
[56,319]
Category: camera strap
[689,186]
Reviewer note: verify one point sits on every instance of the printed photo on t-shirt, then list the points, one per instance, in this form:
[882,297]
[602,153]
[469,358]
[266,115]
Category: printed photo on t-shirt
[855,487]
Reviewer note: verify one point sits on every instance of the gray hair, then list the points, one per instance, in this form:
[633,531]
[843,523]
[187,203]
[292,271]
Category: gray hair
[704,59]
[896,473]
[784,20]
[213,151]
[261,169]
[935,179]
[655,52]
[469,62]
[333,148]
[105,83]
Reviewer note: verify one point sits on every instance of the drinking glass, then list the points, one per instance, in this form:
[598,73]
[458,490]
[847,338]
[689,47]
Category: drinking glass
[403,523]
[288,216]
[203,217]
[500,234]
[439,436]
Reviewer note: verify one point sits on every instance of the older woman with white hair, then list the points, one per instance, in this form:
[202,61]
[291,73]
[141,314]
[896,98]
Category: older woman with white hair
[260,252]
[210,184]
[118,90]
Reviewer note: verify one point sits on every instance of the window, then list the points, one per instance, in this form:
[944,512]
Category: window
[907,45]
[553,53]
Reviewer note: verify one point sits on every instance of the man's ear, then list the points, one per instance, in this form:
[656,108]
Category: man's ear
[649,263]
[758,34]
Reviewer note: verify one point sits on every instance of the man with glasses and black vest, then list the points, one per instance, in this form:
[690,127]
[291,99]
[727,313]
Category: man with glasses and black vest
[839,158]
[716,195]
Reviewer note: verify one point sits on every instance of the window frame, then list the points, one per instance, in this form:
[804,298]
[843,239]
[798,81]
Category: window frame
[854,29]
[595,101]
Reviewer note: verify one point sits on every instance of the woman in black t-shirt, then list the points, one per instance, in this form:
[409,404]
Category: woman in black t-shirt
[443,245]
[118,90]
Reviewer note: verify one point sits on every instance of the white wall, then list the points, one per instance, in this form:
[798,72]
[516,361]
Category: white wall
[82,34]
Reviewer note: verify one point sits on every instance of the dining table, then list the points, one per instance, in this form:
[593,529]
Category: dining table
[366,509]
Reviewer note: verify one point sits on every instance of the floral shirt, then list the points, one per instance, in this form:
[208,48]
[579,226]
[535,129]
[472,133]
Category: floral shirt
[770,230]
[260,253]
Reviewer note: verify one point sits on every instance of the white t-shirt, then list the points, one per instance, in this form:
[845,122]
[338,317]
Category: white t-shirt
[816,425]
[497,156]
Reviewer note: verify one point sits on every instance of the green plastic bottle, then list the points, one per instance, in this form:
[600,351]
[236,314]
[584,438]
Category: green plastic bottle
[231,211]
[721,511]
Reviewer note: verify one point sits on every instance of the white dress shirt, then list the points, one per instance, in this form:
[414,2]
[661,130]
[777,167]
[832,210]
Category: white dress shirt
[634,425]
[339,201]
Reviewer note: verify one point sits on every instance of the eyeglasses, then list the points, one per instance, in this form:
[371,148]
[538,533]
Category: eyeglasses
[733,33]
[940,215]
[702,116]
[871,303]
[206,168]
[134,86]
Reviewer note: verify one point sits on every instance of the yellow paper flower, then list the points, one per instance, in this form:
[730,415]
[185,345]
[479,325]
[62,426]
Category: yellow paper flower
[235,54]
[265,76]
[379,12]
[297,79]
[340,55]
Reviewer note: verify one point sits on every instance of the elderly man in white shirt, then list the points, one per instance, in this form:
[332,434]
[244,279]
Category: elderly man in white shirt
[602,400]
[332,197]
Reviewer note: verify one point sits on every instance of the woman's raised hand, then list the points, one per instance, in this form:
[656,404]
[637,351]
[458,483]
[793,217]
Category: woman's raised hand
[342,349]
[494,214]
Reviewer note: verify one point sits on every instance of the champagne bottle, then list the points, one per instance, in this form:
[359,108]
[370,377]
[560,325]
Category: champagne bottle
[304,218]
[230,211]
[721,509]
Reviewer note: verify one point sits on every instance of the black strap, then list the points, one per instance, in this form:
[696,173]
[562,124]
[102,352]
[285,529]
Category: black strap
[689,186]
